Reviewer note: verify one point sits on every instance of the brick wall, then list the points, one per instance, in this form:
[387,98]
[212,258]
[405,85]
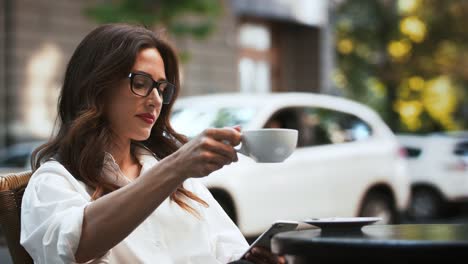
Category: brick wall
[52,29]
[212,66]
[2,74]
[45,34]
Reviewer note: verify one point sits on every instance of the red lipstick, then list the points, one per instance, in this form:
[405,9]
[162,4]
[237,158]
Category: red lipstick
[147,117]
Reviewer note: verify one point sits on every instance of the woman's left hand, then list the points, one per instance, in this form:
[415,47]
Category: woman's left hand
[260,255]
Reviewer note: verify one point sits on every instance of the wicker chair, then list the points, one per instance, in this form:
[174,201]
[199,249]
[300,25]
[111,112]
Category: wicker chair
[11,193]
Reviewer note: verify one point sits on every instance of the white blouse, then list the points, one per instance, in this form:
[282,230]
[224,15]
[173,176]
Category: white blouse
[52,215]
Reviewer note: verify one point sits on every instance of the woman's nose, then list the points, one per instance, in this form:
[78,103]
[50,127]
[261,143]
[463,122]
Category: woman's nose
[155,98]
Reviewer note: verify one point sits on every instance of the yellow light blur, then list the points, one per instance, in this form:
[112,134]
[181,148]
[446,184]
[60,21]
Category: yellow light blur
[440,100]
[414,28]
[345,46]
[399,49]
[408,6]
[416,83]
[411,108]
[410,112]
[403,90]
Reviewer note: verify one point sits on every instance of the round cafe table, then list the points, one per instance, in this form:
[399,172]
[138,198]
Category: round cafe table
[412,243]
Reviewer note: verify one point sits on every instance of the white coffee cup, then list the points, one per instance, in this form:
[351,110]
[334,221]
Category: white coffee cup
[268,145]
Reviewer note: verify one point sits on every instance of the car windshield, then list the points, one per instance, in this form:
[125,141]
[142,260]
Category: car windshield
[192,121]
[461,149]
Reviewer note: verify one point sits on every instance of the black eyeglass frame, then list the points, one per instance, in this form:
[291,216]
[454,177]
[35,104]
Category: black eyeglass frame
[166,99]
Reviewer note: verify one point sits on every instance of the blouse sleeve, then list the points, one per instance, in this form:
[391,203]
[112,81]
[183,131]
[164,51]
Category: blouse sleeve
[228,242]
[52,214]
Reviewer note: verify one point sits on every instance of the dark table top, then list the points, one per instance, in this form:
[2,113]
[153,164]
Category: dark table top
[415,243]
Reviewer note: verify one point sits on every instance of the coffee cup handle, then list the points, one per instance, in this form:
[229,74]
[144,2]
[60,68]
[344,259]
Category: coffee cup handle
[240,149]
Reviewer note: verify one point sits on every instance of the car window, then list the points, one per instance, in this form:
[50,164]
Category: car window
[310,131]
[191,121]
[333,127]
[320,126]
[461,149]
[14,161]
[413,152]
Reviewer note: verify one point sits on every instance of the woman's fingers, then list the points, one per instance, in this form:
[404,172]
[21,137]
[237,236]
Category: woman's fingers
[254,259]
[208,152]
[220,142]
[237,128]
[221,148]
[281,260]
[266,256]
[228,134]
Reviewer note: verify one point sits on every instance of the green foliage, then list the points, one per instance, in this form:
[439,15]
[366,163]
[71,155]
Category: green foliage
[378,56]
[180,17]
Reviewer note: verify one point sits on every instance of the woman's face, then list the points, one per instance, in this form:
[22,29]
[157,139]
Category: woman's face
[132,116]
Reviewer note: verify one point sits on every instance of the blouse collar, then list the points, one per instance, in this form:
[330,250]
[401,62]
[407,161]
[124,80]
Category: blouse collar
[112,172]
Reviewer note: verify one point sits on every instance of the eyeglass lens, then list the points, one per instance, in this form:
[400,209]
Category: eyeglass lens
[143,85]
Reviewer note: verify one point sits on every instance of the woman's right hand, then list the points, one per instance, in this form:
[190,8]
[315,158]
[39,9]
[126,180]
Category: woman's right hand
[260,255]
[210,151]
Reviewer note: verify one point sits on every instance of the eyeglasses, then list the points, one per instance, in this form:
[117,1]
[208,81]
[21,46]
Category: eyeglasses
[142,85]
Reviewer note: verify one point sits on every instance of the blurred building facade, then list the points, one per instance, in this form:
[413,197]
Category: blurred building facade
[38,39]
[258,46]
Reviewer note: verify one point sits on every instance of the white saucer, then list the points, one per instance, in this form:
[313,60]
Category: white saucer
[341,222]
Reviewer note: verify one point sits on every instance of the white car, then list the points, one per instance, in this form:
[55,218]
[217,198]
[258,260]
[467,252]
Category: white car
[347,163]
[438,166]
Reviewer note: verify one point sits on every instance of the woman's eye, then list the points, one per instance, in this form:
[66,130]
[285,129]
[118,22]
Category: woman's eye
[139,85]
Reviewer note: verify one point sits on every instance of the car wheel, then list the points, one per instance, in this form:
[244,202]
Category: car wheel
[226,203]
[228,208]
[426,204]
[378,204]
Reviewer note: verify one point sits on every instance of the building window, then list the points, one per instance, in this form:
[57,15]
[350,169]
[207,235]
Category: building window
[255,58]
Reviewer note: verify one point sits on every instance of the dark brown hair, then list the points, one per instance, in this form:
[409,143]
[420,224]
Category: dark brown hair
[103,59]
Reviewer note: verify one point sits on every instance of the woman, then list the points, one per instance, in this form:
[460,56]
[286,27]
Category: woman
[117,184]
